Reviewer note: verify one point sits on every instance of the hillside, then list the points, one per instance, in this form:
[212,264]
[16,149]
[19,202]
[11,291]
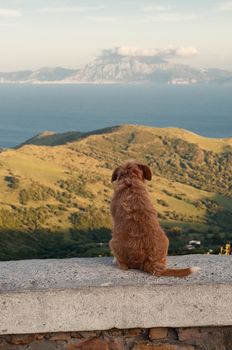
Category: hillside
[55,189]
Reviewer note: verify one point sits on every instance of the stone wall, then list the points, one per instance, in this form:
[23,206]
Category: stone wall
[59,304]
[201,338]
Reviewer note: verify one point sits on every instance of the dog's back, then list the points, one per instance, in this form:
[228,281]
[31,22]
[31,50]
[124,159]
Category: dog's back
[138,241]
[136,233]
[136,229]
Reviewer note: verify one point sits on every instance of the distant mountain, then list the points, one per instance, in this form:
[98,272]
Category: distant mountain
[134,70]
[122,69]
[57,74]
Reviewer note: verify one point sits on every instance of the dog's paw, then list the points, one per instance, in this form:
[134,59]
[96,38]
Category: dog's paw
[114,261]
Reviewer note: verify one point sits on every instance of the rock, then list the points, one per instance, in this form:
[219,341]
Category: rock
[186,334]
[89,334]
[22,339]
[114,332]
[39,336]
[60,336]
[29,342]
[133,332]
[208,338]
[89,344]
[75,335]
[117,344]
[97,344]
[45,345]
[164,346]
[158,333]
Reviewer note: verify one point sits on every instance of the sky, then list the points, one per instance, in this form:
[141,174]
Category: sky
[70,33]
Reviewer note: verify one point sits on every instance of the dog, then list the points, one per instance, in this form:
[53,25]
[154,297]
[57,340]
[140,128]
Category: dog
[138,241]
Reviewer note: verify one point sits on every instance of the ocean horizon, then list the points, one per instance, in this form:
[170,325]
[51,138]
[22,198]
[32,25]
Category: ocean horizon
[26,110]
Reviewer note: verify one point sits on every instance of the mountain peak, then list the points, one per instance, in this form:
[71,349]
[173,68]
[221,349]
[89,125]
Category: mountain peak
[115,68]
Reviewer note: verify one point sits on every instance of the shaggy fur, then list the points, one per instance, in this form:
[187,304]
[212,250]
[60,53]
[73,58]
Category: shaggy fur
[138,241]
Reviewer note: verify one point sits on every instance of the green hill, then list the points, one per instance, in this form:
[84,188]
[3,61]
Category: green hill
[56,190]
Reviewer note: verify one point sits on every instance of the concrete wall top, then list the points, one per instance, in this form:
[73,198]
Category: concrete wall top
[93,294]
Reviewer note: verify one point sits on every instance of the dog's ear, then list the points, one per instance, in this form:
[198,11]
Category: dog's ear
[146,171]
[115,174]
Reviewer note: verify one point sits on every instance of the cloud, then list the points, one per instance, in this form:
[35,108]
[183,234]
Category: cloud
[163,13]
[9,13]
[65,9]
[169,17]
[225,6]
[104,19]
[156,8]
[187,51]
[7,24]
[163,53]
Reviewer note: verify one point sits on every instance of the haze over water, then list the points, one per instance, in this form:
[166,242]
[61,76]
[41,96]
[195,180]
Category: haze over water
[26,110]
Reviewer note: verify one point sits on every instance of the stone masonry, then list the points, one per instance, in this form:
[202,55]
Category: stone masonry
[90,304]
[201,338]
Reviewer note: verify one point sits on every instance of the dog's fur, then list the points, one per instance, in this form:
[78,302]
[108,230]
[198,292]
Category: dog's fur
[138,241]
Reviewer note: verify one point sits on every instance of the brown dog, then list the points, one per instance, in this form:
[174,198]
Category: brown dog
[138,241]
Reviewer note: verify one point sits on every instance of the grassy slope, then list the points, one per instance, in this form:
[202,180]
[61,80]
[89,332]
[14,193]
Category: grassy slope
[49,138]
[191,180]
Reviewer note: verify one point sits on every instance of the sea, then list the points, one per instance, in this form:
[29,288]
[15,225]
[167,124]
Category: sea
[26,110]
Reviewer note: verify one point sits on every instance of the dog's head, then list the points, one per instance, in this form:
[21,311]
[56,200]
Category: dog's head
[131,170]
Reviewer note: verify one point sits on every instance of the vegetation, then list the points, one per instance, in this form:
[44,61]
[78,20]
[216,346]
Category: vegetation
[54,200]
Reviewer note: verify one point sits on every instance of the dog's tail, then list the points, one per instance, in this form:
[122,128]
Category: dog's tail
[180,272]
